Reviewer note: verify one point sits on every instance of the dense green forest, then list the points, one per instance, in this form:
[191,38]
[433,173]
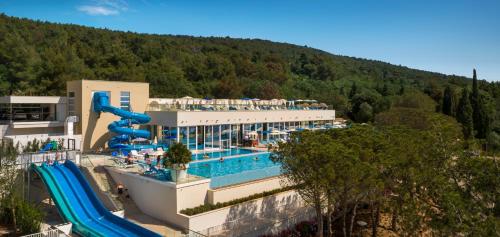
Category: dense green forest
[37,58]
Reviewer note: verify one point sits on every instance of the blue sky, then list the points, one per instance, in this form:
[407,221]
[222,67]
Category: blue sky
[448,36]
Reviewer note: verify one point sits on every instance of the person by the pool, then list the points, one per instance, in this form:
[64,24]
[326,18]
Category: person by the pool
[221,159]
[256,158]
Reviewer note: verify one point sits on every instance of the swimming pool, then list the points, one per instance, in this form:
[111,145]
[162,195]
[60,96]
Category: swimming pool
[224,153]
[234,170]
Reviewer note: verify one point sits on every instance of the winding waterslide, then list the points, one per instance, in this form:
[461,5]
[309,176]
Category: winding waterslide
[78,204]
[122,127]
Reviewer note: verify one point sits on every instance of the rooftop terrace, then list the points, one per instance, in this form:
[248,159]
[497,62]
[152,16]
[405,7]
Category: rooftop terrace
[246,104]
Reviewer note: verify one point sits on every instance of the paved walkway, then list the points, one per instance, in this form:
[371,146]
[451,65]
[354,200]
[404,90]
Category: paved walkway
[132,212]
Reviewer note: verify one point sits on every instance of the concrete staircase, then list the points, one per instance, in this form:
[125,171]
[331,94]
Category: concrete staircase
[100,181]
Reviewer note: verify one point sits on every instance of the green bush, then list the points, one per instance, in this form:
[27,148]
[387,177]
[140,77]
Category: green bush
[28,217]
[210,207]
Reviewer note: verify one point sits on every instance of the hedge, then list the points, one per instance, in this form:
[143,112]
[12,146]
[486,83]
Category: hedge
[210,207]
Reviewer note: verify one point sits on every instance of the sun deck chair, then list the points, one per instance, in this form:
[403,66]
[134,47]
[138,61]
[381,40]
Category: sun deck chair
[134,153]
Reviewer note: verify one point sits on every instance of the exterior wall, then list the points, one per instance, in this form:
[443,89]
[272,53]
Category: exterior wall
[244,217]
[162,200]
[243,190]
[194,118]
[33,99]
[94,128]
[33,131]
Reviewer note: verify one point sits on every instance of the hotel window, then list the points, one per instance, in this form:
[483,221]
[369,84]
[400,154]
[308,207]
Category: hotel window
[19,112]
[125,100]
[71,103]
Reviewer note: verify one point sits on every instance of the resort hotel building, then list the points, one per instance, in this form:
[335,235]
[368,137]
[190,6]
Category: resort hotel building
[201,124]
[110,122]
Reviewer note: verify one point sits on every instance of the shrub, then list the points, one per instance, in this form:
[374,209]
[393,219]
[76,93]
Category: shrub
[28,217]
[177,154]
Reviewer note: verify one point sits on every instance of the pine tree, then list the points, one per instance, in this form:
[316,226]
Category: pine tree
[354,90]
[464,114]
[447,101]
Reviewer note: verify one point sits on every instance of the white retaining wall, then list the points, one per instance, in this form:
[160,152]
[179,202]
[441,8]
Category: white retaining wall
[232,192]
[165,200]
[246,217]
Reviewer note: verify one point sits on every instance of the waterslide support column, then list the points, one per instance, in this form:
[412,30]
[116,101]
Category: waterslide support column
[230,135]
[212,135]
[177,133]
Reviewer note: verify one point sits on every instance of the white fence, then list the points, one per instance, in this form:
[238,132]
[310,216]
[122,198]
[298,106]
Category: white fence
[24,139]
[26,159]
[48,233]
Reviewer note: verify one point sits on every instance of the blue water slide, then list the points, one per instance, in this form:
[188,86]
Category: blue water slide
[47,147]
[122,127]
[78,204]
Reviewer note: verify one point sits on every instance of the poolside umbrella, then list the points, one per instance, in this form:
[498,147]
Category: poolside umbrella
[139,139]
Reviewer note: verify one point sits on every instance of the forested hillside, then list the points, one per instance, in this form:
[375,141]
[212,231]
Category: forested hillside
[37,58]
[47,55]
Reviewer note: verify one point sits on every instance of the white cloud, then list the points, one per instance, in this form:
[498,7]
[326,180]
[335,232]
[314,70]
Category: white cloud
[104,7]
[98,10]
[119,5]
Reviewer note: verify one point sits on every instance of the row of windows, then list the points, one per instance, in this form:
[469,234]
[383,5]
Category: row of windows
[125,100]
[27,112]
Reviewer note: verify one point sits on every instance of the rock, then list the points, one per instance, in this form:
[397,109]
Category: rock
[361,223]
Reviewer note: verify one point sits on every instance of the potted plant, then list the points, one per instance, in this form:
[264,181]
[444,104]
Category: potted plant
[178,158]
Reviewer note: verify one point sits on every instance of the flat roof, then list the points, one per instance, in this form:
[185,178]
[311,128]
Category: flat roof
[105,81]
[197,118]
[13,99]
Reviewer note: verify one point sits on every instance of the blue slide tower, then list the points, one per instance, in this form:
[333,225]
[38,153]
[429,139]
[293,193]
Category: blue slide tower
[122,127]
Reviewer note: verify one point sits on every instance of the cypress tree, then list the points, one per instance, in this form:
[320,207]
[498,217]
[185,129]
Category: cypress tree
[385,90]
[464,114]
[474,99]
[447,101]
[483,118]
[354,90]
[401,90]
[480,115]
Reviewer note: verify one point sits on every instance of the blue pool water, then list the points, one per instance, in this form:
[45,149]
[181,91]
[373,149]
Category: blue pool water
[224,153]
[239,166]
[235,170]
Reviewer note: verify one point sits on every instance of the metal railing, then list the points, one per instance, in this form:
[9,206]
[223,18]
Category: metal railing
[259,224]
[48,233]
[192,233]
[24,160]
